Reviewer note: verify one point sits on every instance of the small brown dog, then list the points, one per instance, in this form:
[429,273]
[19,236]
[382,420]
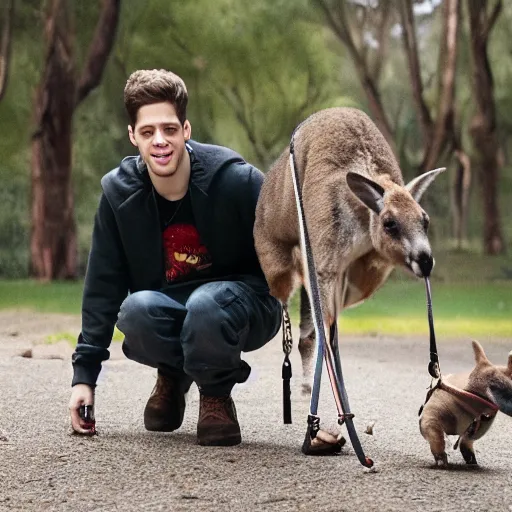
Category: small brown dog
[466,405]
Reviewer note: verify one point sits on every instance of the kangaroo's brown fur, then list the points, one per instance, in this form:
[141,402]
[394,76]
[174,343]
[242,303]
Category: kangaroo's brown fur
[352,189]
[445,414]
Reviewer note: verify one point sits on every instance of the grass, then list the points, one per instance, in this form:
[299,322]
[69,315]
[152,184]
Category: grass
[70,337]
[459,309]
[466,309]
[54,297]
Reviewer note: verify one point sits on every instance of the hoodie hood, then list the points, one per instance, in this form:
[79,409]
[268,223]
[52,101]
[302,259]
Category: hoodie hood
[132,175]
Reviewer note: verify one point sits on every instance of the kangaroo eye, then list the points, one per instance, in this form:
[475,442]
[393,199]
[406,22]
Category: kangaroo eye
[426,223]
[391,227]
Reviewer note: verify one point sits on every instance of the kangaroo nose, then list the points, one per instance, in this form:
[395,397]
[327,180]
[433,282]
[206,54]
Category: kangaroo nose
[426,263]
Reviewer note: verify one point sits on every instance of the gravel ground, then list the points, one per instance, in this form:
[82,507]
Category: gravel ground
[43,467]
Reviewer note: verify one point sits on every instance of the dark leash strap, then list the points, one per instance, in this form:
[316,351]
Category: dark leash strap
[286,370]
[471,402]
[328,349]
[474,404]
[433,367]
[347,417]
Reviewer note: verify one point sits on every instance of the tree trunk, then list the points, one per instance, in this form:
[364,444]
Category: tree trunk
[444,127]
[339,23]
[5,46]
[53,244]
[53,240]
[460,197]
[483,127]
[411,51]
[437,133]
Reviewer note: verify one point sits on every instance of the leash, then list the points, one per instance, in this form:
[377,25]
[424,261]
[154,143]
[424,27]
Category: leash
[473,404]
[325,350]
[433,367]
[286,370]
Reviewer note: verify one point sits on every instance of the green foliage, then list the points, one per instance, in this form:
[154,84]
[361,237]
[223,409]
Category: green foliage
[16,129]
[254,70]
[14,231]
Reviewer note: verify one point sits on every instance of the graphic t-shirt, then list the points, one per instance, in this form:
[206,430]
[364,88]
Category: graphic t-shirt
[185,257]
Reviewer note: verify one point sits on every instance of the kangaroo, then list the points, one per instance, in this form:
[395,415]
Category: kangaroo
[452,412]
[362,220]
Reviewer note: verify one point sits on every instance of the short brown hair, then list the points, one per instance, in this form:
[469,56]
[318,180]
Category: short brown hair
[148,86]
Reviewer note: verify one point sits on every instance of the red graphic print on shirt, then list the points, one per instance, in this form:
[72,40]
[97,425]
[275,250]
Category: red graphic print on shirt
[184,253]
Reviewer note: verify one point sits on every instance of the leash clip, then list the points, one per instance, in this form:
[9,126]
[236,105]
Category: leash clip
[433,369]
[343,417]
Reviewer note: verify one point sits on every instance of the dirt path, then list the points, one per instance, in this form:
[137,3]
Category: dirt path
[126,468]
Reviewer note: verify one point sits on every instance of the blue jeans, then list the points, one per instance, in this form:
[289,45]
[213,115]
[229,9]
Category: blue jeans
[199,334]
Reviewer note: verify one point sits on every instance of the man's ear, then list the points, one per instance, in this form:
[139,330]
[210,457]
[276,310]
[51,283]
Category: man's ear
[187,129]
[130,135]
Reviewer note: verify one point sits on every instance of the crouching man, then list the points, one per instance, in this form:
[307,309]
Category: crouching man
[173,262]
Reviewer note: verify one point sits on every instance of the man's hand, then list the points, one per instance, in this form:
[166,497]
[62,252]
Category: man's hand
[81,394]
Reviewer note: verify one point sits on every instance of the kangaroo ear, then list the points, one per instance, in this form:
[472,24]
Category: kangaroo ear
[367,191]
[418,185]
[480,357]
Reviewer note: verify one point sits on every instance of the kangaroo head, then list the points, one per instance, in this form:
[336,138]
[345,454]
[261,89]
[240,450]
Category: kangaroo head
[492,381]
[399,228]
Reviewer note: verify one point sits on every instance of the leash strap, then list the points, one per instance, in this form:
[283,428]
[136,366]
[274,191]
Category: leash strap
[433,367]
[315,302]
[286,371]
[473,404]
[328,350]
[347,416]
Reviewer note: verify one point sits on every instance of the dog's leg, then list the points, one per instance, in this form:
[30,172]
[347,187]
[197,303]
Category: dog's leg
[466,448]
[306,341]
[434,434]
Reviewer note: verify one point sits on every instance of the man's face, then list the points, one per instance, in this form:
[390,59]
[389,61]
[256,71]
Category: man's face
[160,138]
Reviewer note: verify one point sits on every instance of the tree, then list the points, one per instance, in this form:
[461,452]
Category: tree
[254,70]
[351,32]
[483,126]
[5,46]
[365,30]
[53,246]
[440,134]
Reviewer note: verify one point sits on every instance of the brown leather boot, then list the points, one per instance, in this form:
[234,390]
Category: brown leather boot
[218,424]
[166,405]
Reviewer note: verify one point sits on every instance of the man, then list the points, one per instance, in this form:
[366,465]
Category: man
[173,261]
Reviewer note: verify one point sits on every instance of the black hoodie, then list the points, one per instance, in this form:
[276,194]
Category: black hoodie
[126,254]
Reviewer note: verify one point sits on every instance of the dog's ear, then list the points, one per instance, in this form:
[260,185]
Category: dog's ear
[480,357]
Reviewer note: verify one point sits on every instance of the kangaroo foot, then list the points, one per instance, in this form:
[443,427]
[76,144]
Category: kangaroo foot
[323,443]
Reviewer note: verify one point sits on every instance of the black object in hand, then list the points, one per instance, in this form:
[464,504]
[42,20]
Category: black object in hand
[87,415]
